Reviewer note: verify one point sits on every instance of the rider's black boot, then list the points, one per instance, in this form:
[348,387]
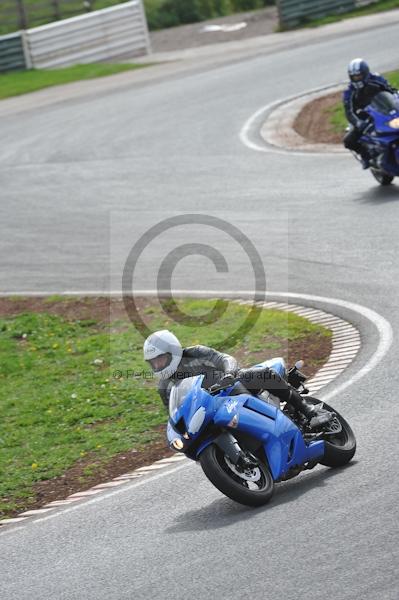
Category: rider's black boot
[316,416]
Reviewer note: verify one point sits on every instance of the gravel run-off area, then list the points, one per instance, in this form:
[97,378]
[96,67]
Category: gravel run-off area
[260,22]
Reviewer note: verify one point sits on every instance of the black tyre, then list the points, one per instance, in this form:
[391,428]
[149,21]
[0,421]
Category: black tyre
[341,447]
[381,177]
[252,487]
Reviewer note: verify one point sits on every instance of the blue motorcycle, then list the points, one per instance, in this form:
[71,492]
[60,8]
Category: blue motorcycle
[246,443]
[381,137]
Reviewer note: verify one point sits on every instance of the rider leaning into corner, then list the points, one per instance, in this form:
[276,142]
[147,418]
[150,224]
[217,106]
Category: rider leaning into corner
[362,88]
[171,362]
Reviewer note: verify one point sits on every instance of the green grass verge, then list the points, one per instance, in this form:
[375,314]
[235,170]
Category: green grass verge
[378,7]
[60,399]
[23,82]
[336,114]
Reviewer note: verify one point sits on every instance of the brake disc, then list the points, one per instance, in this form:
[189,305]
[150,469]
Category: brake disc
[334,427]
[248,474]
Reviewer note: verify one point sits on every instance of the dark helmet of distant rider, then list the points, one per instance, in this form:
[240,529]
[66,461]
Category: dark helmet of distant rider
[359,72]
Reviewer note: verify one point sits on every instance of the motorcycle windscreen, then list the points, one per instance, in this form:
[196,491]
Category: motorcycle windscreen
[179,392]
[385,103]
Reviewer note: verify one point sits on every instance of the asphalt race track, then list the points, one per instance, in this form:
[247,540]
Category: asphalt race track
[80,182]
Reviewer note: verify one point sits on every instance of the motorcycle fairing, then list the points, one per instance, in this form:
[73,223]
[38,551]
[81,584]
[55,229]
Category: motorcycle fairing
[384,139]
[280,438]
[276,364]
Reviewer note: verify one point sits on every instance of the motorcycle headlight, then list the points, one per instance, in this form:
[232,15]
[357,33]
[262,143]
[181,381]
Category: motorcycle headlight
[394,123]
[177,444]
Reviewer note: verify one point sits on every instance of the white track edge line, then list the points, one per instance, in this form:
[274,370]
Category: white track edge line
[246,129]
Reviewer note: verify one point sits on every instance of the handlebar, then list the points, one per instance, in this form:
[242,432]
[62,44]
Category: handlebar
[216,387]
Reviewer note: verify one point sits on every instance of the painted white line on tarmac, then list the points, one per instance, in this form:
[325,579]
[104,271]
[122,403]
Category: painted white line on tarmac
[250,127]
[383,326]
[118,293]
[104,496]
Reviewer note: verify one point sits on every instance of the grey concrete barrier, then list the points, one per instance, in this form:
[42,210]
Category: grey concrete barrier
[12,52]
[299,12]
[111,34]
[361,3]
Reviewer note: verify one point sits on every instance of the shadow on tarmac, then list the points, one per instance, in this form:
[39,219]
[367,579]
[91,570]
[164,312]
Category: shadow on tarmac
[380,194]
[224,512]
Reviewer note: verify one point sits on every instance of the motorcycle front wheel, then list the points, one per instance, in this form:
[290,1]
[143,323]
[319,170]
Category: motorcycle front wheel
[382,178]
[252,487]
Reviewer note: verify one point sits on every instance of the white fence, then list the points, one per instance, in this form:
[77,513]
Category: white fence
[115,33]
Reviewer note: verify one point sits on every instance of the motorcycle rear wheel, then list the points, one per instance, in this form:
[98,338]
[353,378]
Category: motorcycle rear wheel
[227,479]
[381,177]
[340,448]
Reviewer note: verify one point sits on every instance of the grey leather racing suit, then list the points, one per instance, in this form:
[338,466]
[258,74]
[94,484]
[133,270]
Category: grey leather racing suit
[198,360]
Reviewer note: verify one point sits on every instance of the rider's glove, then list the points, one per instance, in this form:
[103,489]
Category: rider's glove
[362,125]
[226,380]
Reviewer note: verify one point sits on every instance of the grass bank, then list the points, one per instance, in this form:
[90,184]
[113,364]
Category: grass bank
[72,389]
[22,82]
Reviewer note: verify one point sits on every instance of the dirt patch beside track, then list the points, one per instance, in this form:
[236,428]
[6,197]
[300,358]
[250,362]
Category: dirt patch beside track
[313,122]
[259,22]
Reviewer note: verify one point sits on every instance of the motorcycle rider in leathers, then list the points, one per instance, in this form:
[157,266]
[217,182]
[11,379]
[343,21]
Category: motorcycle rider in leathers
[171,362]
[363,86]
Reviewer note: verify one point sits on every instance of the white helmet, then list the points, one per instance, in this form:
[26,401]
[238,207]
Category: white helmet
[163,351]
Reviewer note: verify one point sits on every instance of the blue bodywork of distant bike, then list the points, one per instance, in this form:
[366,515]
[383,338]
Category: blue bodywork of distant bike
[382,136]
